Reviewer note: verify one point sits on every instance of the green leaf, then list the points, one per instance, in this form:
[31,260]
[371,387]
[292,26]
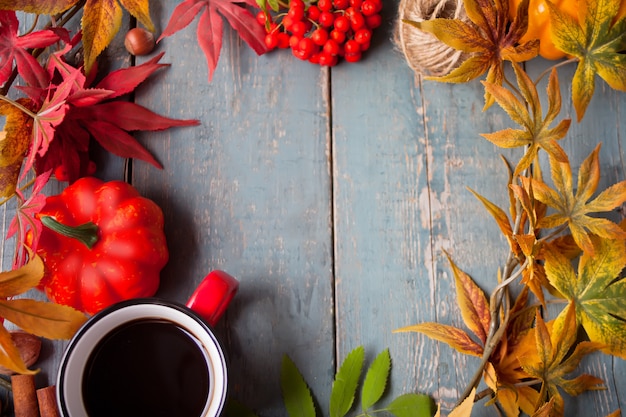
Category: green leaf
[597,42]
[412,405]
[296,393]
[376,380]
[346,382]
[596,291]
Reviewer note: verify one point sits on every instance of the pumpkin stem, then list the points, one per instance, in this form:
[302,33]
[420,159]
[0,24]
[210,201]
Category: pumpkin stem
[86,233]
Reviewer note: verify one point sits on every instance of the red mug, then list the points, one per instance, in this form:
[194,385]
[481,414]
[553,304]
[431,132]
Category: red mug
[149,357]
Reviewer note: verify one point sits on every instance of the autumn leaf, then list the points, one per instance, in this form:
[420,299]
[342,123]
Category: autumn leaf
[15,48]
[596,291]
[490,39]
[20,280]
[473,303]
[38,6]
[501,219]
[474,308]
[15,140]
[573,209]
[452,336]
[47,118]
[503,373]
[10,356]
[210,26]
[464,409]
[93,114]
[102,20]
[45,319]
[100,23]
[553,354]
[545,410]
[598,44]
[536,133]
[37,317]
[25,223]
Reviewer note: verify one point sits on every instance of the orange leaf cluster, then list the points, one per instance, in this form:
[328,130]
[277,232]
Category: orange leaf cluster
[562,249]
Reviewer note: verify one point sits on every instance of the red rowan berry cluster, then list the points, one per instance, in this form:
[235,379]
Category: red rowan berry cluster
[323,31]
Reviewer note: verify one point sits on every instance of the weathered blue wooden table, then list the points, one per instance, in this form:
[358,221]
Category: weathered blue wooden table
[331,195]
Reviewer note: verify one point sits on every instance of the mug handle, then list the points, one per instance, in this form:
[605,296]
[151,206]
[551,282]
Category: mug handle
[213,295]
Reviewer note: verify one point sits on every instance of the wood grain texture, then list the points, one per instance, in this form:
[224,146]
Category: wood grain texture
[332,195]
[248,192]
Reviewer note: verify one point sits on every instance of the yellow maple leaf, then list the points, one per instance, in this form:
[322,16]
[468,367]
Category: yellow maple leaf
[536,132]
[574,208]
[102,20]
[489,39]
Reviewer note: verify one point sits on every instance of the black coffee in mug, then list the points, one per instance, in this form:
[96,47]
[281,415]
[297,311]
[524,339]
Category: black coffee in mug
[146,367]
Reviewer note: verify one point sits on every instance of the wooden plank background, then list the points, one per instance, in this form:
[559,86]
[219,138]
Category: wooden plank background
[331,194]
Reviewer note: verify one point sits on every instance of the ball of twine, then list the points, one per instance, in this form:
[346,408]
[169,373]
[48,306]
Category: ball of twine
[424,53]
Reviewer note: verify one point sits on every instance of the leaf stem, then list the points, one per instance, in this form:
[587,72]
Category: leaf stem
[7,199]
[18,105]
[554,233]
[548,70]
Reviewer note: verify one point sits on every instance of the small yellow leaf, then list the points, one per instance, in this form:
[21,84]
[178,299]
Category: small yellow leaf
[465,408]
[472,302]
[546,409]
[20,280]
[455,338]
[140,10]
[49,320]
[49,7]
[101,21]
[616,413]
[14,142]
[9,354]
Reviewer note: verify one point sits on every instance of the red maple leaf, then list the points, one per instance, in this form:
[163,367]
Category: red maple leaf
[48,117]
[92,113]
[15,48]
[210,26]
[25,220]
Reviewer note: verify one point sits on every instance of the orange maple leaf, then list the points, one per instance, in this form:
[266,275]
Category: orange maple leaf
[489,39]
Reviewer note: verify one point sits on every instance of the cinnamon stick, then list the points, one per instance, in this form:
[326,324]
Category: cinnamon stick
[24,396]
[47,399]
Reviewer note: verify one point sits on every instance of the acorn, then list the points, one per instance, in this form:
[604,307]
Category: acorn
[139,41]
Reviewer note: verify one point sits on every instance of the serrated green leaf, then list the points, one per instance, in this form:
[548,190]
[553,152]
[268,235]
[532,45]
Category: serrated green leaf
[261,4]
[296,393]
[346,382]
[412,405]
[376,380]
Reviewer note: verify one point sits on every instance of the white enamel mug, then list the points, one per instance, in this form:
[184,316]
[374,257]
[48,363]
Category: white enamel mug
[149,357]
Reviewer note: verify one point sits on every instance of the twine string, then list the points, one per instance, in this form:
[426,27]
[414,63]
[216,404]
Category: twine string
[425,54]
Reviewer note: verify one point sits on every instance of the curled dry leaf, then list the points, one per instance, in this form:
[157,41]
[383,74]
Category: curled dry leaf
[29,347]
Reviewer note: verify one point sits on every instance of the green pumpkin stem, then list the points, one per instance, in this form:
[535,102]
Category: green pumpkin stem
[86,233]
